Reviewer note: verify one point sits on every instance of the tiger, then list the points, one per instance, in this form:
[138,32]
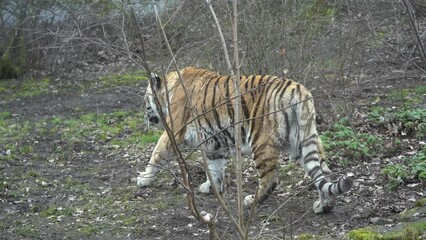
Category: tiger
[277,117]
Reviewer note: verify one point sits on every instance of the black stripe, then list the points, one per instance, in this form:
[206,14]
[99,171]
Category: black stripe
[313,136]
[287,127]
[248,89]
[253,105]
[316,178]
[299,91]
[205,93]
[273,168]
[266,91]
[283,91]
[261,146]
[339,188]
[253,80]
[265,160]
[230,109]
[255,136]
[243,135]
[206,119]
[308,160]
[292,93]
[329,189]
[244,108]
[217,144]
[216,114]
[312,142]
[199,73]
[261,165]
[310,153]
[256,106]
[313,171]
[277,85]
[321,184]
[282,84]
[243,100]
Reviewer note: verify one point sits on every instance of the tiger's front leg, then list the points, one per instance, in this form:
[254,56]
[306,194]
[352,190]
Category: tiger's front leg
[216,167]
[161,151]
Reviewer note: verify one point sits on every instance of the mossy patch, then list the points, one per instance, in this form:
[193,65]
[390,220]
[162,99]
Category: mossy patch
[412,230]
[421,202]
[123,79]
[363,234]
[344,142]
[14,89]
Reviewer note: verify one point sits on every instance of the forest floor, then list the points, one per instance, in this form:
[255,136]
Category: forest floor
[69,156]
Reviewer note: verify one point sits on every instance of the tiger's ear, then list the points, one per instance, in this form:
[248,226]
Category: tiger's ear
[156,80]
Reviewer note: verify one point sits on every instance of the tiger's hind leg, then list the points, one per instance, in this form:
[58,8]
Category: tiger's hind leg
[265,156]
[216,167]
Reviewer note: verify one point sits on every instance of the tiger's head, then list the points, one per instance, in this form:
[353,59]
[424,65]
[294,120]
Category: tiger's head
[151,111]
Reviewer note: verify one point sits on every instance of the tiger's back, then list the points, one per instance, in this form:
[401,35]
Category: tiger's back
[277,116]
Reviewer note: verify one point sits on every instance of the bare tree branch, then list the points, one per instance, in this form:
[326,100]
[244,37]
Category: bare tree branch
[414,28]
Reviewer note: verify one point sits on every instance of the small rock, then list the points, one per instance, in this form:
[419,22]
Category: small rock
[380,221]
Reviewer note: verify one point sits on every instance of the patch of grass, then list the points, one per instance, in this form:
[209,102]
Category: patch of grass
[5,115]
[420,90]
[119,128]
[32,173]
[27,232]
[407,97]
[413,121]
[70,183]
[90,229]
[14,89]
[363,234]
[307,236]
[13,144]
[409,168]
[56,212]
[343,142]
[123,79]
[3,185]
[410,122]
[421,202]
[145,138]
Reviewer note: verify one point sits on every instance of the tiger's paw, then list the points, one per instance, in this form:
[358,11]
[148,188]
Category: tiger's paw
[205,187]
[249,200]
[145,179]
[322,207]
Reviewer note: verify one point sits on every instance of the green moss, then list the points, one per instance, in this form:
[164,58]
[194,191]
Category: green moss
[306,236]
[27,232]
[3,185]
[420,90]
[89,230]
[150,137]
[343,142]
[56,211]
[5,115]
[363,234]
[410,231]
[32,173]
[123,79]
[421,202]
[8,69]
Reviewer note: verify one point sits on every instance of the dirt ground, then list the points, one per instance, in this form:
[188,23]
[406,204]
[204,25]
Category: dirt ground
[90,192]
[84,188]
